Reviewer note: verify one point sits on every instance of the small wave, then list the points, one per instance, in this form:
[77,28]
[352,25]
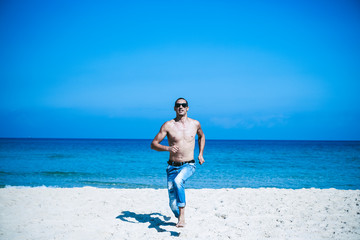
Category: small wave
[64,174]
[2,173]
[28,187]
[59,156]
[119,184]
[46,173]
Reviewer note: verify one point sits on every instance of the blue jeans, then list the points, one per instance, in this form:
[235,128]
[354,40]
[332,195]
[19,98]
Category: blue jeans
[176,177]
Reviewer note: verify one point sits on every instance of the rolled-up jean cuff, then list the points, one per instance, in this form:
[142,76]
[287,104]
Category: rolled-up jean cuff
[181,204]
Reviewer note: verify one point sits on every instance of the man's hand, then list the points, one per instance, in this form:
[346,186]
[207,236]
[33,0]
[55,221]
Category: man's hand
[173,149]
[201,159]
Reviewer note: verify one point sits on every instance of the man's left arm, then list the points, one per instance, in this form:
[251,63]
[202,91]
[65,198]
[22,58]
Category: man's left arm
[201,141]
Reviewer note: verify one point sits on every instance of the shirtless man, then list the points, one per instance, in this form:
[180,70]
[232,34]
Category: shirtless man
[180,133]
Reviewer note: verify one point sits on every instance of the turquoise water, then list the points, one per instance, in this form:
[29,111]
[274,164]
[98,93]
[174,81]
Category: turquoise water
[132,164]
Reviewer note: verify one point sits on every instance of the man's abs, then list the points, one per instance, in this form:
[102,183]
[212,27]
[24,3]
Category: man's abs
[184,154]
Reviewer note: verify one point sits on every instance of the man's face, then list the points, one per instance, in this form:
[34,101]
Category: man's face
[181,107]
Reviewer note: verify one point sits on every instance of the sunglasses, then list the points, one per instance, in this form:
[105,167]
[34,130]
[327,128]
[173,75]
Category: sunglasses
[181,104]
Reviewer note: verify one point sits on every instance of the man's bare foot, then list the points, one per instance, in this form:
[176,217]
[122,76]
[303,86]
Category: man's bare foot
[180,224]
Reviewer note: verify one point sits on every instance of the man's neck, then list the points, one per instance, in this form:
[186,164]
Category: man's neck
[181,118]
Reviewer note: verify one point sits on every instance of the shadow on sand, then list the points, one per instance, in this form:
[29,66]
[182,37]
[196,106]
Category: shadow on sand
[152,218]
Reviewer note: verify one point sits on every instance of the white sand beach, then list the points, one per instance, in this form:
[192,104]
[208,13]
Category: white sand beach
[93,213]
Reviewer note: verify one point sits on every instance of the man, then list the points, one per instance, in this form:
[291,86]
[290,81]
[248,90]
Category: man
[180,133]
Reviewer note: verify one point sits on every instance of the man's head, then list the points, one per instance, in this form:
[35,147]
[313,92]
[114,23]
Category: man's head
[181,106]
[181,100]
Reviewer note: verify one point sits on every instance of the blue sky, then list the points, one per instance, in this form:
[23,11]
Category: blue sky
[113,69]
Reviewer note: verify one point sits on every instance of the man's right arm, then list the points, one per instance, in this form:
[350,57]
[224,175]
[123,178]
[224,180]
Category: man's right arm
[158,138]
[155,144]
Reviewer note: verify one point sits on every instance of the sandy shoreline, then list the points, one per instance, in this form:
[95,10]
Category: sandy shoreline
[93,213]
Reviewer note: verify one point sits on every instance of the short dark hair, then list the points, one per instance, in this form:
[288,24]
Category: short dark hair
[182,99]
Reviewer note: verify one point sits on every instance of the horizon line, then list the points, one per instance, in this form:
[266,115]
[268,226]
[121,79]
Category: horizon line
[210,139]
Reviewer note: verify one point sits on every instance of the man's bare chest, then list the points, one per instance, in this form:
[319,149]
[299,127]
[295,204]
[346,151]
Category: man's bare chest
[180,133]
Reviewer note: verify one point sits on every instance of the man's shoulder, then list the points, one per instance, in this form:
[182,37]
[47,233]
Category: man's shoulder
[169,123]
[193,121]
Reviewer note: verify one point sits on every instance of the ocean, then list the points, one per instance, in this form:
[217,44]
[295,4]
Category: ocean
[123,163]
